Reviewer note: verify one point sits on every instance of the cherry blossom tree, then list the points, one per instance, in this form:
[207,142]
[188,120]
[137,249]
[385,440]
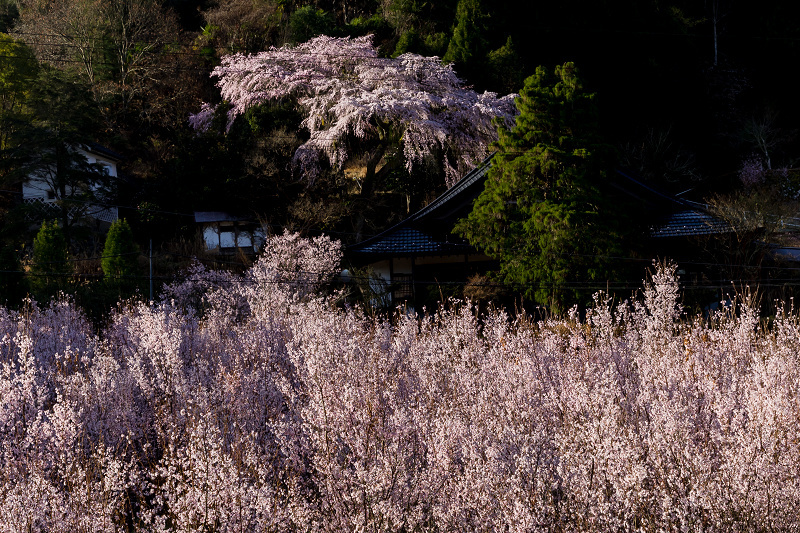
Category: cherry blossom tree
[355,101]
[271,408]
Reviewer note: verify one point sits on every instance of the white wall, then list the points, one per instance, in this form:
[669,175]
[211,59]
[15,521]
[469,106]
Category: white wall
[37,186]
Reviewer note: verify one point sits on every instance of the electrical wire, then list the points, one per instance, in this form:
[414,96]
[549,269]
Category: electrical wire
[585,287]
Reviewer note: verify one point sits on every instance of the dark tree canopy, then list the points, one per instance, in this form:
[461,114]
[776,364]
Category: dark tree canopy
[62,114]
[18,72]
[468,45]
[541,212]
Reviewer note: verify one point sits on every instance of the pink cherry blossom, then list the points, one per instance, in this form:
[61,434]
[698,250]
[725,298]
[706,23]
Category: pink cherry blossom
[257,402]
[347,92]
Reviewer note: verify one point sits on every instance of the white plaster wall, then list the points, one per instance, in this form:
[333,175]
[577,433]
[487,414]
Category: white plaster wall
[107,163]
[37,186]
[382,270]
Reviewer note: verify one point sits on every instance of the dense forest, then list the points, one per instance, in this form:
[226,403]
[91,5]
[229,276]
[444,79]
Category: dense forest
[691,96]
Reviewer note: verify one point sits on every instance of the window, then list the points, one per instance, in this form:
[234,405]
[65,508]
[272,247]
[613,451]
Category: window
[227,237]
[403,287]
[243,239]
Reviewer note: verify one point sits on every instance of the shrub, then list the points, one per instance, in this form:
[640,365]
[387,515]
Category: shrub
[50,269]
[120,255]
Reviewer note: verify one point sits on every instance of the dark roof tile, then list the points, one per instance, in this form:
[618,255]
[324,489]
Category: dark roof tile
[689,223]
[410,236]
[412,241]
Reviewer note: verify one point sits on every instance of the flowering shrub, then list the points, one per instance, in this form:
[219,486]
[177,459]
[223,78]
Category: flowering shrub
[274,410]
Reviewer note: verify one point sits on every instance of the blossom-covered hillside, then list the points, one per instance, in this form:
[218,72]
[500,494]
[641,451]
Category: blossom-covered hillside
[254,404]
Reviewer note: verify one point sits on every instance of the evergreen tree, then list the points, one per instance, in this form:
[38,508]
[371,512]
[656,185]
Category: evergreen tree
[541,212]
[120,255]
[307,22]
[468,45]
[18,72]
[50,268]
[504,67]
[9,13]
[63,119]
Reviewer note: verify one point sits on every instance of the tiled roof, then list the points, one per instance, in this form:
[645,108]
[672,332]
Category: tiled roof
[471,178]
[412,241]
[411,237]
[104,151]
[424,232]
[689,223]
[693,219]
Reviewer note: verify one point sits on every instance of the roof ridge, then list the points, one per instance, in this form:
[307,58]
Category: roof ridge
[470,178]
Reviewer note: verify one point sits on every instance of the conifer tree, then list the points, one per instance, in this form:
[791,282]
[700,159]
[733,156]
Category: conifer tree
[50,268]
[541,212]
[18,73]
[468,45]
[504,68]
[119,255]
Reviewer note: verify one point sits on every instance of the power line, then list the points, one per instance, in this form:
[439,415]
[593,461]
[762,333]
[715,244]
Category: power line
[706,283]
[598,286]
[286,48]
[176,213]
[85,259]
[321,75]
[552,254]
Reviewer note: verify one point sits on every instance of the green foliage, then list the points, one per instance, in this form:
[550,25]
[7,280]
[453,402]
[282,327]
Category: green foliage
[403,15]
[420,27]
[246,26]
[468,45]
[308,22]
[9,13]
[468,42]
[50,268]
[18,71]
[63,114]
[374,25]
[428,45]
[254,157]
[120,254]
[505,68]
[541,213]
[426,17]
[436,44]
[408,42]
[662,52]
[64,104]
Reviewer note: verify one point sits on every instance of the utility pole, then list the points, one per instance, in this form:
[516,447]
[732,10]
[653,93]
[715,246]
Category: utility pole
[151,271]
